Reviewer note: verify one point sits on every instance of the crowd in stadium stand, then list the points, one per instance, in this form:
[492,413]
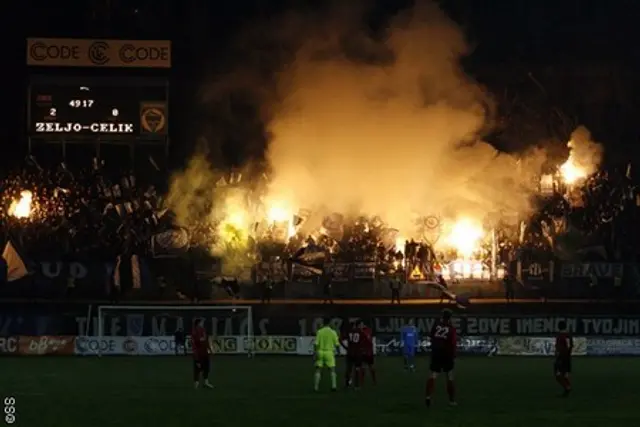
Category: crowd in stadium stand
[105,215]
[594,221]
[82,211]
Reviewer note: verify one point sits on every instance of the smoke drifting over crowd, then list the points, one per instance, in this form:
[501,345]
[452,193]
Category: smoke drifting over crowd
[391,139]
[378,126]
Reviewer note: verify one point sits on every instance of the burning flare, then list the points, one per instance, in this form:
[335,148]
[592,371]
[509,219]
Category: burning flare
[572,172]
[400,244]
[22,208]
[584,157]
[464,237]
[279,215]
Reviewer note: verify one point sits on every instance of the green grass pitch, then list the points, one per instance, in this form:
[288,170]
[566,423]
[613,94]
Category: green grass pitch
[270,391]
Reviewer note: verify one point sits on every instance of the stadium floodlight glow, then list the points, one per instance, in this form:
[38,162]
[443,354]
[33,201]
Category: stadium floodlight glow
[232,310]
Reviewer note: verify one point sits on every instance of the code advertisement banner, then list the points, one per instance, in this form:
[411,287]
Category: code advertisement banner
[613,347]
[166,346]
[99,53]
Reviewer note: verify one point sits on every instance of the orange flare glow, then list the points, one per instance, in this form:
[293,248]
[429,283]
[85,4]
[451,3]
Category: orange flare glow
[23,207]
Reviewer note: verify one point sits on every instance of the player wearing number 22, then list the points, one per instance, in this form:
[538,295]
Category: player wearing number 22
[326,345]
[201,350]
[443,354]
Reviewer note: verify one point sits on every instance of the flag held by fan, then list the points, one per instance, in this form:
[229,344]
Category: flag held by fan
[170,243]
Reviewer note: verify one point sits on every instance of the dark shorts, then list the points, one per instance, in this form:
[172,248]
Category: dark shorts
[201,366]
[442,363]
[562,365]
[354,360]
[368,359]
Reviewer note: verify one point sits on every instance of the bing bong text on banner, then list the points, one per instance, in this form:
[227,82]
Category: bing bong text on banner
[99,53]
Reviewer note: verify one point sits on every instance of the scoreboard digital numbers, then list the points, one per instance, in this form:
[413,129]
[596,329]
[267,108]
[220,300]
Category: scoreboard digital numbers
[85,110]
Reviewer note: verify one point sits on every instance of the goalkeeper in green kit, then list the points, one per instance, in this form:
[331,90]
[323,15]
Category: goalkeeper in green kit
[326,344]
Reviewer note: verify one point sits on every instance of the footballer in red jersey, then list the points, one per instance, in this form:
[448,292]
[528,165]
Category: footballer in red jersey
[355,340]
[443,353]
[367,357]
[201,348]
[562,365]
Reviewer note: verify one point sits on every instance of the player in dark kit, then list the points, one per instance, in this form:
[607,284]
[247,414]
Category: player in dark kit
[562,365]
[201,349]
[355,339]
[443,354]
[367,357]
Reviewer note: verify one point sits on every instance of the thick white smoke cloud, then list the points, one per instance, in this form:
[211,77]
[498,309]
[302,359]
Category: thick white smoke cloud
[391,139]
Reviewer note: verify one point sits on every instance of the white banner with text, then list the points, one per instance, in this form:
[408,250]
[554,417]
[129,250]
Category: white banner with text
[166,346]
[304,346]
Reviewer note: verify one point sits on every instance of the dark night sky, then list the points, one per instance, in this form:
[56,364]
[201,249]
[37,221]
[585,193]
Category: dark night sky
[504,33]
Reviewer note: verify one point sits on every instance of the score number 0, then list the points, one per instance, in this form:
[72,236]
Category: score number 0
[9,410]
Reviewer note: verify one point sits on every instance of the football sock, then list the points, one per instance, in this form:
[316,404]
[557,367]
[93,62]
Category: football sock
[316,381]
[451,390]
[334,380]
[361,373]
[430,384]
[567,383]
[348,376]
[373,375]
[561,381]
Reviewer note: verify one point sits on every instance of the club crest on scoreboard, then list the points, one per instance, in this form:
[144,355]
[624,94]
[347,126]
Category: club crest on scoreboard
[153,118]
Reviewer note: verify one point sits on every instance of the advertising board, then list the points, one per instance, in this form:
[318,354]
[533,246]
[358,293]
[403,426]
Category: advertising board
[535,346]
[387,345]
[46,345]
[165,345]
[301,320]
[392,345]
[9,345]
[613,347]
[98,53]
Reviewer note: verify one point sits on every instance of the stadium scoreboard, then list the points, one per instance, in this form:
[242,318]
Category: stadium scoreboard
[83,109]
